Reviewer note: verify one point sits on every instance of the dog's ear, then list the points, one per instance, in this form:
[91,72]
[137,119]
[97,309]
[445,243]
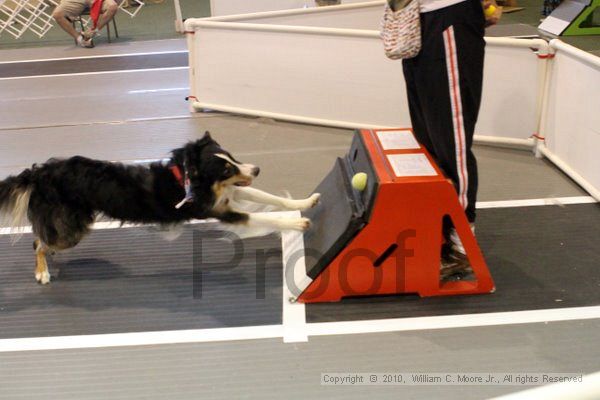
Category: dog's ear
[206,139]
[187,157]
[200,144]
[192,154]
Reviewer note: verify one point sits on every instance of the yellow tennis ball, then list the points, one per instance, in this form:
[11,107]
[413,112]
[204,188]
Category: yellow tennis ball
[359,181]
[488,12]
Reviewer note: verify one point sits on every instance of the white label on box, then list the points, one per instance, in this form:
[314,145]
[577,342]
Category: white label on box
[411,165]
[397,140]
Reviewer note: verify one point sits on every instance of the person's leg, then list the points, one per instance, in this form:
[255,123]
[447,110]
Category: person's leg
[71,9]
[448,80]
[471,45]
[68,8]
[419,127]
[109,9]
[468,39]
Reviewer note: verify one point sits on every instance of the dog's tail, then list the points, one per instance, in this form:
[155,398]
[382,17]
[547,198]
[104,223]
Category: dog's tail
[15,192]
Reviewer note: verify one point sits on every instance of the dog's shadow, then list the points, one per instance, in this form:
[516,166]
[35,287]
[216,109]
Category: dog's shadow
[96,284]
[85,269]
[162,289]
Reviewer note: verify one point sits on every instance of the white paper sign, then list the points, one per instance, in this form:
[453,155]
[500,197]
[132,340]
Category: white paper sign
[411,165]
[397,140]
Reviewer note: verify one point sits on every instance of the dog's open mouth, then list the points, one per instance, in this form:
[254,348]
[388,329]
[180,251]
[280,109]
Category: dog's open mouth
[246,182]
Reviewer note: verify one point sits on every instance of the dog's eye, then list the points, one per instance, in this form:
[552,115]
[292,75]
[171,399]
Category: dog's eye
[229,171]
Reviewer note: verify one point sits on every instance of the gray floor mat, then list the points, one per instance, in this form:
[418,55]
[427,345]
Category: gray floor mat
[539,257]
[131,279]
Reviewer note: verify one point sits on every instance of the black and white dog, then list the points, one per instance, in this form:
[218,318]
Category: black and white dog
[62,198]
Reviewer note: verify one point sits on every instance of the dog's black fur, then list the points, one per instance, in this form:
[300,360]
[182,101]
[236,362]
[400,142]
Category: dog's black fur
[62,198]
[66,195]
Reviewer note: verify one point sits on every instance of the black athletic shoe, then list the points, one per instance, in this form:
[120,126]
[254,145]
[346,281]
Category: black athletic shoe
[455,266]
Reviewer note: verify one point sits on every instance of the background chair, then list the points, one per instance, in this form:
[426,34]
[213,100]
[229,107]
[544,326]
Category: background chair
[84,20]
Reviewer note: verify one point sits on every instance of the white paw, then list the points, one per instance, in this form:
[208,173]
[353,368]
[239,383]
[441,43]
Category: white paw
[43,277]
[304,204]
[314,199]
[298,224]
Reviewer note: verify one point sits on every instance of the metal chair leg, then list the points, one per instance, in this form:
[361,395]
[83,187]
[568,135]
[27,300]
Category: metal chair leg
[74,22]
[115,26]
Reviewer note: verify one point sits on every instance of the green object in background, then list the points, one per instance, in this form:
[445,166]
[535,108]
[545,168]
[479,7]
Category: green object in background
[585,24]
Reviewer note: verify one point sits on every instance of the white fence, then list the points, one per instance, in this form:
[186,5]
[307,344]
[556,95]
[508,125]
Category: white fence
[571,120]
[326,66]
[232,7]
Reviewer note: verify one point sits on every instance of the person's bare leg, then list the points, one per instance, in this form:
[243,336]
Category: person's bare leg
[60,18]
[108,14]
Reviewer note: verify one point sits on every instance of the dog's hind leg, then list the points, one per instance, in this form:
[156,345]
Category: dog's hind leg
[48,245]
[258,196]
[41,264]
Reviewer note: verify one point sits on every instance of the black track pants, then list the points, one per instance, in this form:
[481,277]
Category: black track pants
[444,85]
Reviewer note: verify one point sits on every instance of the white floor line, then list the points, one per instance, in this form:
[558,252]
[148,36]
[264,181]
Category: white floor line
[550,201]
[98,226]
[482,205]
[141,338]
[8,130]
[83,95]
[453,321]
[144,91]
[294,314]
[289,151]
[238,154]
[112,224]
[313,329]
[148,53]
[122,71]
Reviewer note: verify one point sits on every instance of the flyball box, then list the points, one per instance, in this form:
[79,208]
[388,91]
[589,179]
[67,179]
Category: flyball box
[387,238]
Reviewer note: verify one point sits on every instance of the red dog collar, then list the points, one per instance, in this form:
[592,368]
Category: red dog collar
[177,174]
[183,182]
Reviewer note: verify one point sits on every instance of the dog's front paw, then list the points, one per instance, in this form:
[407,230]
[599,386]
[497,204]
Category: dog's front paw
[304,204]
[314,200]
[43,277]
[299,224]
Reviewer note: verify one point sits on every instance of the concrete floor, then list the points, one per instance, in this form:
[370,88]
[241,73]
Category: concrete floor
[292,157]
[270,369]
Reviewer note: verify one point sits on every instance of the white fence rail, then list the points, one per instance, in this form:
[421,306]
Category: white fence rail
[232,7]
[289,65]
[571,119]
